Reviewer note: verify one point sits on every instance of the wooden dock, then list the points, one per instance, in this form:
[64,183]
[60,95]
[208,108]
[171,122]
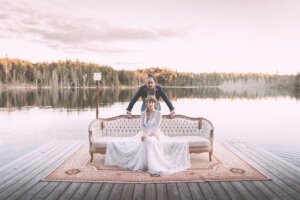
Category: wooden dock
[21,179]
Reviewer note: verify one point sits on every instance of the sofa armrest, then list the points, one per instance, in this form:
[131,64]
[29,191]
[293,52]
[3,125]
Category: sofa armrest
[206,129]
[91,138]
[95,128]
[212,137]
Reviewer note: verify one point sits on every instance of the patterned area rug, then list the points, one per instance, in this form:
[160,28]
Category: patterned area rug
[225,166]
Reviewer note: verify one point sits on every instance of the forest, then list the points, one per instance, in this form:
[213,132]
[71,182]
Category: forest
[76,74]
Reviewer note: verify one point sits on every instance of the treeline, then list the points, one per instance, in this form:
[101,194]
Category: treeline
[297,82]
[228,80]
[76,74]
[60,74]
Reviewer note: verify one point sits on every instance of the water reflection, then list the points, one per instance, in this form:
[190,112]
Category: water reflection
[85,98]
[68,98]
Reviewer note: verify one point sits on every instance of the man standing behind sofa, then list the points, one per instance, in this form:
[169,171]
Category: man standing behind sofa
[150,88]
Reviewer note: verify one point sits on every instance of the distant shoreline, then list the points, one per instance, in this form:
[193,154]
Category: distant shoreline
[222,87]
[66,87]
[20,74]
[20,87]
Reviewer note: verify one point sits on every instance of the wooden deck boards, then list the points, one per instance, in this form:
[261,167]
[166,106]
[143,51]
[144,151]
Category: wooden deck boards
[21,179]
[282,180]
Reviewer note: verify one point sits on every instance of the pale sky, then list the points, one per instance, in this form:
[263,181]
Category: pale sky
[184,35]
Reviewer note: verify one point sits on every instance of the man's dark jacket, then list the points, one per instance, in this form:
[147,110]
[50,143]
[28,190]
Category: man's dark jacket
[142,92]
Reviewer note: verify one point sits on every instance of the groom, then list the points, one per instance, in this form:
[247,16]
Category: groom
[150,88]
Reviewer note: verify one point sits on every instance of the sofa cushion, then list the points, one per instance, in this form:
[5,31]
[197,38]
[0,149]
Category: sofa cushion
[195,141]
[101,142]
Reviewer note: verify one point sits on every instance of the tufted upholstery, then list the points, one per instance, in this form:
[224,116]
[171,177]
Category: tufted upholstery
[124,127]
[197,131]
[121,127]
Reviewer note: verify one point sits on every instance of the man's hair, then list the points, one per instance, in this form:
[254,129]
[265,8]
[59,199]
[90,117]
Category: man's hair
[151,76]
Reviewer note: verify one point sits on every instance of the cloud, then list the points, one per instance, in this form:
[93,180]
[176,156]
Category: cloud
[62,31]
[74,31]
[4,16]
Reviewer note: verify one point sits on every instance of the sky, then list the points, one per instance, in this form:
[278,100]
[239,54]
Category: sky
[183,35]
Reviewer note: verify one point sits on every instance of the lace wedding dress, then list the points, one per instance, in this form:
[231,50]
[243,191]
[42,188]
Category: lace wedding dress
[165,155]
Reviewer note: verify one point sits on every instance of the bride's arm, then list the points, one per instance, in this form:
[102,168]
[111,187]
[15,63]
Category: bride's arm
[155,126]
[143,126]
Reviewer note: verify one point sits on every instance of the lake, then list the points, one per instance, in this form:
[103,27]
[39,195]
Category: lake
[264,118]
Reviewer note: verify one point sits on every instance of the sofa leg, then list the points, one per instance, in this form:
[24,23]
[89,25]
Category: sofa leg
[210,153]
[91,160]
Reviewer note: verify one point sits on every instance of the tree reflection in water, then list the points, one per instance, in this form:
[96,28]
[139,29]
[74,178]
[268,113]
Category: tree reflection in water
[85,98]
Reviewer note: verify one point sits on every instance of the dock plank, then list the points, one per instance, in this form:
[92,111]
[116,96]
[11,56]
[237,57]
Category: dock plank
[195,191]
[127,192]
[293,187]
[184,191]
[274,158]
[45,191]
[105,191]
[93,191]
[81,191]
[173,192]
[6,169]
[207,191]
[279,182]
[274,167]
[69,192]
[34,190]
[243,192]
[25,183]
[230,190]
[116,191]
[254,190]
[139,192]
[265,190]
[277,190]
[219,191]
[27,167]
[150,191]
[58,190]
[161,191]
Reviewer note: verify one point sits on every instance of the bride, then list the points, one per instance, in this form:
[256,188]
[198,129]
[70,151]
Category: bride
[149,150]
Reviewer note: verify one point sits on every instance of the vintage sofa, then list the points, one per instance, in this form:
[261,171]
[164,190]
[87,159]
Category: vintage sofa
[199,132]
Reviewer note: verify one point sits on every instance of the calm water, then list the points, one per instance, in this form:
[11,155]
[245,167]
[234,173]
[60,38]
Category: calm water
[268,119]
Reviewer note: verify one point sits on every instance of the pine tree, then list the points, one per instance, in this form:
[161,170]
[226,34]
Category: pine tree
[297,82]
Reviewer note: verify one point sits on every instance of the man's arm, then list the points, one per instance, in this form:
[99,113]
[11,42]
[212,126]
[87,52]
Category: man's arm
[166,99]
[134,99]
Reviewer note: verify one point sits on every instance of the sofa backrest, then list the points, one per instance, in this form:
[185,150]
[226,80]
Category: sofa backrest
[181,125]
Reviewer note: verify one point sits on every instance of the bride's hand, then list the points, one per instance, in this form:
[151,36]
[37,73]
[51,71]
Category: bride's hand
[143,137]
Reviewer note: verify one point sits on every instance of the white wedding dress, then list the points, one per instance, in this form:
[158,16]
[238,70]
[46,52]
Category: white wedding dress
[164,156]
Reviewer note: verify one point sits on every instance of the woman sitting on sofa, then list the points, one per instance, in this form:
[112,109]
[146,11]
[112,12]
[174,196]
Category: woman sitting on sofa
[150,150]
